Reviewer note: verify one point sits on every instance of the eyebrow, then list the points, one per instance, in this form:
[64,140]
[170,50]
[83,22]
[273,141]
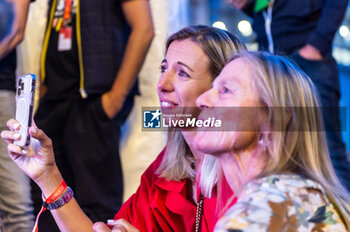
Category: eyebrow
[225,82]
[218,83]
[180,63]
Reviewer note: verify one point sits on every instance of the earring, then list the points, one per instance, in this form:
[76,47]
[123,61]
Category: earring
[261,142]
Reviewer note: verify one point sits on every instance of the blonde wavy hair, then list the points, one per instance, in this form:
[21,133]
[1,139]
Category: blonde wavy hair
[295,142]
[219,46]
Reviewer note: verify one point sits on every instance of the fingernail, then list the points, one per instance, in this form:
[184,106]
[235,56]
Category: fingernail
[111,222]
[16,125]
[17,135]
[96,225]
[24,152]
[34,130]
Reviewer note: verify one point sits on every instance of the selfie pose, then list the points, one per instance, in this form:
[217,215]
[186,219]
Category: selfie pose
[167,198]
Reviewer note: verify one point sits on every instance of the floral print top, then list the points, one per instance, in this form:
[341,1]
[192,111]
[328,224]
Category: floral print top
[281,203]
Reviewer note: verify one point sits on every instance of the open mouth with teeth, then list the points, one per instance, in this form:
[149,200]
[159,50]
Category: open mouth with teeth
[167,104]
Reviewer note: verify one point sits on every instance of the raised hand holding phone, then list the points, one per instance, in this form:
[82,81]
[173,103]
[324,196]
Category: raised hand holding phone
[24,107]
[37,161]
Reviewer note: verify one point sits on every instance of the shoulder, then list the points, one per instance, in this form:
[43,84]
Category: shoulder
[281,187]
[282,201]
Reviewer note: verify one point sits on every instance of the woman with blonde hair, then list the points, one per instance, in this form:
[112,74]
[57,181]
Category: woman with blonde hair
[168,190]
[277,163]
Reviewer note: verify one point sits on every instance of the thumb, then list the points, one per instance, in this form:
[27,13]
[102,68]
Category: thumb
[100,227]
[40,135]
[34,124]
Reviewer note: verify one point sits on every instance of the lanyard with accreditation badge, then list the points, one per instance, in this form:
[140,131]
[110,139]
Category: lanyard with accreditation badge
[61,25]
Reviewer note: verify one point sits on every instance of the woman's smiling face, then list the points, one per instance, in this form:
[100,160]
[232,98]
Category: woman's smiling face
[184,75]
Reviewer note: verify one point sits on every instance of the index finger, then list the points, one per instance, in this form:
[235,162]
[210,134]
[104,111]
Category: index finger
[125,224]
[12,124]
[100,227]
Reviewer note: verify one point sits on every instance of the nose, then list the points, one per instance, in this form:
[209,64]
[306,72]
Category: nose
[206,99]
[165,83]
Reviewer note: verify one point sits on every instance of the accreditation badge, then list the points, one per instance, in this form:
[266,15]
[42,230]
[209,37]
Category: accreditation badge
[65,39]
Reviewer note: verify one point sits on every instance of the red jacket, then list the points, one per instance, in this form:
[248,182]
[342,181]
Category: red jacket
[160,205]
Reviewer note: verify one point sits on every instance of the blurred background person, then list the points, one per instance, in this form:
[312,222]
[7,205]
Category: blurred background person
[89,67]
[16,209]
[277,162]
[304,30]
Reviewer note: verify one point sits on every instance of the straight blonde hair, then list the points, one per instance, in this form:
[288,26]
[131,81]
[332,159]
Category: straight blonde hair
[295,142]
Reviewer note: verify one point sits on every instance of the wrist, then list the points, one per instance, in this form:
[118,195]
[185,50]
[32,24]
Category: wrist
[48,183]
[117,96]
[59,197]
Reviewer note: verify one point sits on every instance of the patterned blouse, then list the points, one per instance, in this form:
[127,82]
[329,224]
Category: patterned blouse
[281,203]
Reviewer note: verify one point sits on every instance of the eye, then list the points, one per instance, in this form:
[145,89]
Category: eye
[224,90]
[163,68]
[182,73]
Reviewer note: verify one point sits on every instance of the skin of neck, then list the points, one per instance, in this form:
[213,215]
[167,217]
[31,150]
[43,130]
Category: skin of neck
[189,137]
[240,167]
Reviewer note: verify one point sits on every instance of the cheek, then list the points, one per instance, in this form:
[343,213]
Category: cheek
[158,87]
[193,93]
[244,140]
[188,91]
[216,142]
[186,96]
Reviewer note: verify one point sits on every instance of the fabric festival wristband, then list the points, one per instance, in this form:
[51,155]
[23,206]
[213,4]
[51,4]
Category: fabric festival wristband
[57,193]
[64,198]
[53,197]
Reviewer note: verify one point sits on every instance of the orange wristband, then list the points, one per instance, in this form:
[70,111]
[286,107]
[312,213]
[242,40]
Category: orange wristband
[53,197]
[57,193]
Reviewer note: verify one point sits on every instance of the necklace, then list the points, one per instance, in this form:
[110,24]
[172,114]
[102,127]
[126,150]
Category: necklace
[199,213]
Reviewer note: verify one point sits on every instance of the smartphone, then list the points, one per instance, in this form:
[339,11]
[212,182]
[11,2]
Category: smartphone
[25,93]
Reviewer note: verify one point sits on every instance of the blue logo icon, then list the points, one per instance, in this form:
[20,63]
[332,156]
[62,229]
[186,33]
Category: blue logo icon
[151,119]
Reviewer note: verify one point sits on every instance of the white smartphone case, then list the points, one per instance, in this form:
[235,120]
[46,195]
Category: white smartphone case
[24,106]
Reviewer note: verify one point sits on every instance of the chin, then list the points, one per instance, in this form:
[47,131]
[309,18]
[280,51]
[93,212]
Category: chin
[205,145]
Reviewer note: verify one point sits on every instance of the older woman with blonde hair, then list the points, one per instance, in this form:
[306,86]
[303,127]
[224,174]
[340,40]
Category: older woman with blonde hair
[277,163]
